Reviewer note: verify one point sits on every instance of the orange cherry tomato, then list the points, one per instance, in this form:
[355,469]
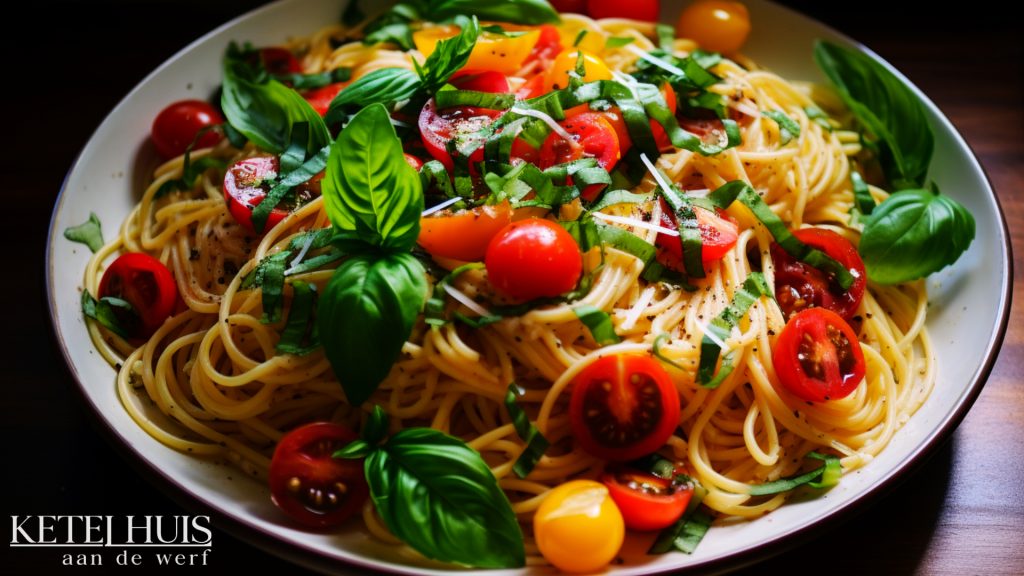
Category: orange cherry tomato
[716,25]
[578,528]
[498,52]
[463,235]
[593,68]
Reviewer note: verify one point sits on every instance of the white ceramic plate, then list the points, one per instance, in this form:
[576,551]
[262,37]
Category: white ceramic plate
[970,302]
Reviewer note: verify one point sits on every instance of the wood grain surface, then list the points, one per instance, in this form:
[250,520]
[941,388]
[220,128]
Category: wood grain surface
[68,63]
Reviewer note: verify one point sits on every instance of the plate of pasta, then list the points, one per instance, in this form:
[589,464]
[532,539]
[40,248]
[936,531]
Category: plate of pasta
[490,286]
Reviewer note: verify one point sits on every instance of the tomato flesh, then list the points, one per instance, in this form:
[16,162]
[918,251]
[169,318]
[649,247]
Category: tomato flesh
[247,182]
[177,126]
[533,258]
[463,235]
[647,502]
[311,486]
[718,235]
[623,406]
[799,286]
[818,357]
[146,284]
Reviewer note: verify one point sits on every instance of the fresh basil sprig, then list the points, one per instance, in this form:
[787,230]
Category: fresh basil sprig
[374,199]
[438,496]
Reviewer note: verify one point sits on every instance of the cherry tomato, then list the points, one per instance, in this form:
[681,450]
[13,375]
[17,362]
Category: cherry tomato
[247,182]
[716,25]
[460,123]
[146,284]
[176,126]
[623,406]
[279,61]
[320,98]
[463,235]
[614,117]
[593,137]
[646,10]
[799,286]
[818,357]
[718,235]
[309,485]
[498,52]
[413,161]
[533,258]
[593,68]
[578,527]
[480,81]
[647,502]
[574,6]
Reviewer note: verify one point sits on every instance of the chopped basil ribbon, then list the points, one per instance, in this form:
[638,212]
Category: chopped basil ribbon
[599,323]
[689,231]
[305,171]
[433,311]
[434,176]
[269,277]
[739,190]
[656,351]
[686,533]
[819,117]
[438,496]
[448,97]
[89,233]
[315,262]
[829,472]
[114,314]
[618,41]
[863,202]
[536,443]
[753,288]
[616,197]
[666,36]
[190,170]
[300,333]
[295,154]
[788,128]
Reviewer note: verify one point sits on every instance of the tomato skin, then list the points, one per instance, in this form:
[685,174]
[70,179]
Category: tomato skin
[646,10]
[320,98]
[533,258]
[716,25]
[647,502]
[463,235]
[176,126]
[480,81]
[818,357]
[609,410]
[578,528]
[279,61]
[799,286]
[245,185]
[146,284]
[594,137]
[302,467]
[718,235]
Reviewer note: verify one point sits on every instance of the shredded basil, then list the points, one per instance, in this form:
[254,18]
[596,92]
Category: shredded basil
[269,275]
[753,288]
[599,323]
[863,202]
[788,128]
[314,81]
[686,533]
[666,36]
[300,335]
[89,233]
[308,169]
[433,311]
[656,351]
[448,97]
[692,244]
[616,197]
[829,472]
[618,41]
[114,314]
[191,171]
[536,443]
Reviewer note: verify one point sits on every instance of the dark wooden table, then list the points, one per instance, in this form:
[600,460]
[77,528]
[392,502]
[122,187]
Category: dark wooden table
[68,63]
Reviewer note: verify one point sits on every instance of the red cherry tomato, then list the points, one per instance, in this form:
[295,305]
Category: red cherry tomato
[533,258]
[614,117]
[177,126]
[463,235]
[818,357]
[146,284]
[279,61]
[623,406]
[647,502]
[646,10]
[247,182]
[799,286]
[320,98]
[718,235]
[309,485]
[593,137]
[460,123]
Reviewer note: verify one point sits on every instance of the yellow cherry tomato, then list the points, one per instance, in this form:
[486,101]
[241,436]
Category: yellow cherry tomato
[497,52]
[594,68]
[715,25]
[578,528]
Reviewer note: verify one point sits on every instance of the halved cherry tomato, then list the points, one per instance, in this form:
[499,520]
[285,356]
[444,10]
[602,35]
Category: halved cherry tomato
[320,98]
[498,52]
[311,486]
[533,258]
[646,10]
[716,25]
[718,235]
[593,137]
[146,284]
[460,123]
[247,182]
[623,406]
[818,357]
[176,126]
[799,286]
[593,68]
[279,61]
[578,528]
[647,502]
[463,235]
[614,117]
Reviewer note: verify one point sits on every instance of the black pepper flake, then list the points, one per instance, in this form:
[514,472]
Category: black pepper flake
[193,255]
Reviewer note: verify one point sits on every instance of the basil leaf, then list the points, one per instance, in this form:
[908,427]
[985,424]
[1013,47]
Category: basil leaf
[685,533]
[912,234]
[366,314]
[89,233]
[515,11]
[438,496]
[754,287]
[599,323]
[618,41]
[536,443]
[114,314]
[886,107]
[863,202]
[786,484]
[399,33]
[270,276]
[313,81]
[788,128]
[300,333]
[449,56]
[385,86]
[265,110]
[447,98]
[369,189]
